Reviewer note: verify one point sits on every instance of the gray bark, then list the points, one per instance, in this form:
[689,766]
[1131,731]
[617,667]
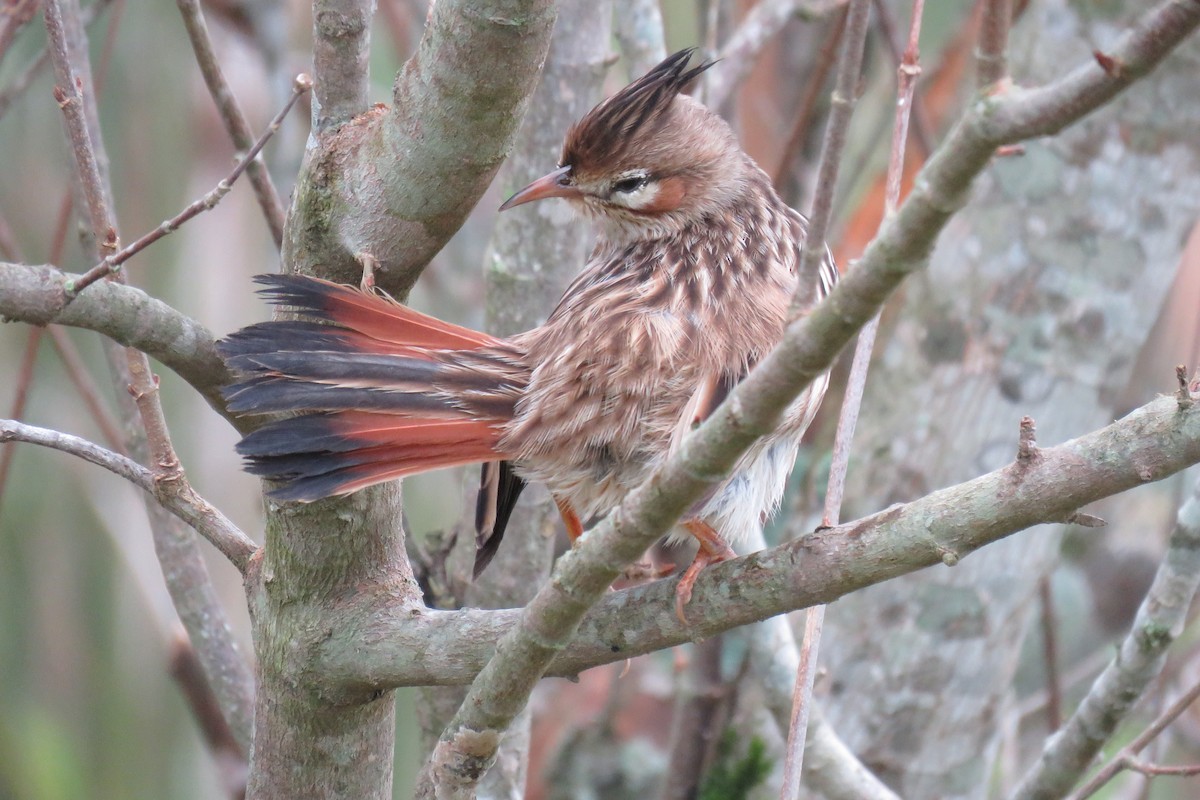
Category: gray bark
[1037,300]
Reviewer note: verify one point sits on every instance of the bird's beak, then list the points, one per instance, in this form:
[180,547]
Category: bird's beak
[552,185]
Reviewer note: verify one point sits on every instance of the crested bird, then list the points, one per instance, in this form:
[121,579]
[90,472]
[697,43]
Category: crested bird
[687,288]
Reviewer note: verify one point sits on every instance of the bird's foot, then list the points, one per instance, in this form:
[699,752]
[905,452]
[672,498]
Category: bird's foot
[711,552]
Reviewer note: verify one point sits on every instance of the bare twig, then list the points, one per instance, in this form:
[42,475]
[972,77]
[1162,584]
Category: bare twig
[820,568]
[189,584]
[806,673]
[77,371]
[1050,655]
[907,72]
[189,507]
[832,770]
[20,396]
[991,57]
[741,51]
[841,107]
[798,134]
[187,671]
[1126,759]
[13,16]
[694,728]
[920,116]
[21,83]
[232,115]
[1138,662]
[112,263]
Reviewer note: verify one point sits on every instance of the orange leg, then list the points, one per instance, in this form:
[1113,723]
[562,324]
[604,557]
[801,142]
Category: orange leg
[570,519]
[713,550]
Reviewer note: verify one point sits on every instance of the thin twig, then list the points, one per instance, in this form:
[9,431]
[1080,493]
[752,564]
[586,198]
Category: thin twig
[111,264]
[89,392]
[1050,655]
[187,671]
[21,83]
[1137,664]
[1127,756]
[907,72]
[189,507]
[20,396]
[744,46]
[694,727]
[991,56]
[13,16]
[232,115]
[188,580]
[841,107]
[798,134]
[921,128]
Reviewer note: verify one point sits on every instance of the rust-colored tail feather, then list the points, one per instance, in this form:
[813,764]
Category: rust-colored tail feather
[398,392]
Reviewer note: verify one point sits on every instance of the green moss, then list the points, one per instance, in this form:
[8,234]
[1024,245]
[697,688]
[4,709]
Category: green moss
[733,778]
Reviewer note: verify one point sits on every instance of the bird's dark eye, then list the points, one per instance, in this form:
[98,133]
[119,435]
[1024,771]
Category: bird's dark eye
[630,185]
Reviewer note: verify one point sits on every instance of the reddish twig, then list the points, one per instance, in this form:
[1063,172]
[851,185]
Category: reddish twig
[20,397]
[232,115]
[13,16]
[111,264]
[908,71]
[845,95]
[188,673]
[743,47]
[1128,753]
[921,127]
[21,83]
[991,58]
[1050,655]
[89,392]
[798,133]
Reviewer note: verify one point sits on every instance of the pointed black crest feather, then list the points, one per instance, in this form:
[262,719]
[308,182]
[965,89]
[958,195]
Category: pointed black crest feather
[604,131]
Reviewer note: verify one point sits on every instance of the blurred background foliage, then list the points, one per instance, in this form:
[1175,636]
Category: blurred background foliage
[87,704]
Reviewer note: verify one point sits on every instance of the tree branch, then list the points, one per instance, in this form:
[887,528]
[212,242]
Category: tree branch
[188,506]
[1150,444]
[582,576]
[1138,662]
[396,183]
[37,294]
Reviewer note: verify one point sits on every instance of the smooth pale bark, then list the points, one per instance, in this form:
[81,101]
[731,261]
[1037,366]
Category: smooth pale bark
[1037,301]
[394,184]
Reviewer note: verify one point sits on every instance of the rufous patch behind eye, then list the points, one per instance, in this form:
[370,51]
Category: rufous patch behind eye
[669,196]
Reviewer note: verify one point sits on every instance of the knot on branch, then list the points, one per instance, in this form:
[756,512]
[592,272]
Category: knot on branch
[1183,395]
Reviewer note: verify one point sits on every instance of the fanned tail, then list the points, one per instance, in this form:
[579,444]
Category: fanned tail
[395,392]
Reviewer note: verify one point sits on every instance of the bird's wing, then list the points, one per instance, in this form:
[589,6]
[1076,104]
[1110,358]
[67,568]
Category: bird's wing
[499,488]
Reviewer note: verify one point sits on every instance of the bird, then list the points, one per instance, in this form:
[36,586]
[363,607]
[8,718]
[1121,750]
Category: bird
[688,286]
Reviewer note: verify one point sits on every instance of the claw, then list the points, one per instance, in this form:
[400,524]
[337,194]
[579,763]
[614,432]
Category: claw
[713,550]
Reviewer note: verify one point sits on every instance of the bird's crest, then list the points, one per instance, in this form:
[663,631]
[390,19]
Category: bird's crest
[602,135]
